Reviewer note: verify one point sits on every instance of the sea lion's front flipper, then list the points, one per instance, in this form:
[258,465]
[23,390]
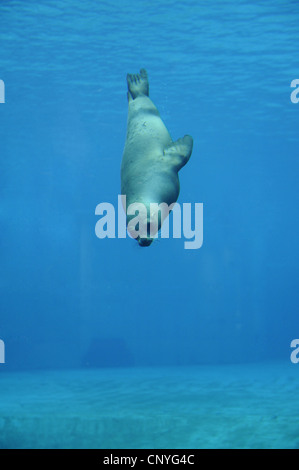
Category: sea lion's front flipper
[179,152]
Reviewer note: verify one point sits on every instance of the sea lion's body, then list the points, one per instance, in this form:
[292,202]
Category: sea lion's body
[151,160]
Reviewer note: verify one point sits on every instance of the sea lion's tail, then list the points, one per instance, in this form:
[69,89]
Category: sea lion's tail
[137,84]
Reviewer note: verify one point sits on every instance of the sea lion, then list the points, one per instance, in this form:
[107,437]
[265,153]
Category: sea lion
[151,160]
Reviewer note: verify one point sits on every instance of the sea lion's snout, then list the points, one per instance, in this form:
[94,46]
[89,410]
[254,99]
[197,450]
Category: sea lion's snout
[144,241]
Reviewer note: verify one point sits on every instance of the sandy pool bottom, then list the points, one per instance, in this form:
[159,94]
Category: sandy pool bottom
[244,406]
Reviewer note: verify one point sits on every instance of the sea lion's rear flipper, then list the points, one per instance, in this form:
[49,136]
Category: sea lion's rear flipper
[137,84]
[179,152]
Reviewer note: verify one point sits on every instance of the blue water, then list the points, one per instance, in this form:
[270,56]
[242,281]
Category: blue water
[219,71]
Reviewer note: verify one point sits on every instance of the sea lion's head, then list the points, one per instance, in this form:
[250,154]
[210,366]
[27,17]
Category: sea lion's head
[143,223]
[144,220]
